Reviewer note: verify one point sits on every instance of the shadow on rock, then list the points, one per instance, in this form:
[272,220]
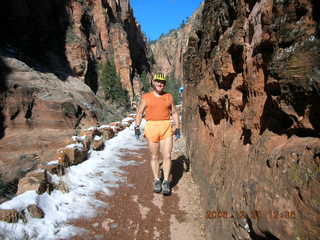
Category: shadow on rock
[179,165]
[4,71]
[36,33]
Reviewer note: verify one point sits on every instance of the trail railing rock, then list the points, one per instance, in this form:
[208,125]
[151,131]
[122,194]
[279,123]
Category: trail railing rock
[75,152]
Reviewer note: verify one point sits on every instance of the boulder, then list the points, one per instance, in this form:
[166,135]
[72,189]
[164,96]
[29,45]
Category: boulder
[84,140]
[37,180]
[107,132]
[117,126]
[35,211]
[125,124]
[9,215]
[128,119]
[97,143]
[63,158]
[90,133]
[56,168]
[75,154]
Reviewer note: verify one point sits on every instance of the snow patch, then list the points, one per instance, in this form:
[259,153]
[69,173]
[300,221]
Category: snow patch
[78,146]
[100,173]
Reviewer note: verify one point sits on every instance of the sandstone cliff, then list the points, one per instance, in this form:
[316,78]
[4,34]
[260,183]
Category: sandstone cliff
[105,30]
[251,117]
[50,51]
[168,50]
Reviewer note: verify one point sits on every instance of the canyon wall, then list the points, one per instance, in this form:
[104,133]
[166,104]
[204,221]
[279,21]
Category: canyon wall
[72,37]
[251,117]
[50,86]
[168,50]
[105,30]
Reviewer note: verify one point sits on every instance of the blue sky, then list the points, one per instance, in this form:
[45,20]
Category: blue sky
[159,16]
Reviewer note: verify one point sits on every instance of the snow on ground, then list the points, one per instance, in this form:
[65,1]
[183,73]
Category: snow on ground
[100,173]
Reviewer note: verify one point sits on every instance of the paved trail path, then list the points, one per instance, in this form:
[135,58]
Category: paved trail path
[135,212]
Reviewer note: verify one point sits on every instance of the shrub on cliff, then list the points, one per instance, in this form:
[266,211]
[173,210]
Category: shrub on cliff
[112,85]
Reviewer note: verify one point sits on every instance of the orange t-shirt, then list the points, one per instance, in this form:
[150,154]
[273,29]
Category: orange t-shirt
[158,108]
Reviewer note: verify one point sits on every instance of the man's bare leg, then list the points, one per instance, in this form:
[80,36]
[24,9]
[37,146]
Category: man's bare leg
[165,149]
[154,149]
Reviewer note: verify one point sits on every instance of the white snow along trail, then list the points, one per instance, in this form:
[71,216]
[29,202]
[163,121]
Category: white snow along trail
[100,173]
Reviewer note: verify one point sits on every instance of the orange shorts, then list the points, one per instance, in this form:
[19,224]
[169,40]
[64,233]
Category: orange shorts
[155,131]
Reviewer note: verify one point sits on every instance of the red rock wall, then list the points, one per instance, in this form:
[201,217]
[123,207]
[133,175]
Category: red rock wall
[38,113]
[102,30]
[49,52]
[251,118]
[72,37]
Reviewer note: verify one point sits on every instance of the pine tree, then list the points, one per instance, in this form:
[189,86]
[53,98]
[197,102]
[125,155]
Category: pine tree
[111,84]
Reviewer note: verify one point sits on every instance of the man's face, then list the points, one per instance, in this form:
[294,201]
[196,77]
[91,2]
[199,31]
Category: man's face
[159,85]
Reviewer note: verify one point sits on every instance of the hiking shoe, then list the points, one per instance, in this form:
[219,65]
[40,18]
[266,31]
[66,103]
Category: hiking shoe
[166,187]
[157,186]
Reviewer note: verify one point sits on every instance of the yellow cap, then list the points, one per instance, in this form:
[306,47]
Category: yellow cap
[159,76]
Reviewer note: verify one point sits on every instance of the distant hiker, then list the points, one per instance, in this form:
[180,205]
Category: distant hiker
[181,89]
[158,106]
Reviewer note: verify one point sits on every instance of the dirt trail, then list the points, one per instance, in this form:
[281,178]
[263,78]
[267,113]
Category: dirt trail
[135,212]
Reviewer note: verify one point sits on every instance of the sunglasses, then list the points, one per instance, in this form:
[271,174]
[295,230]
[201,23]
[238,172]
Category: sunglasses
[160,81]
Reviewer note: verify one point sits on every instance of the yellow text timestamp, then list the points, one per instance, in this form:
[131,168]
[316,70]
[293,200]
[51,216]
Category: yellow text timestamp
[253,214]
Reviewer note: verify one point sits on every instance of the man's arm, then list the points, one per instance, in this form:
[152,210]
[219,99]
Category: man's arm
[140,112]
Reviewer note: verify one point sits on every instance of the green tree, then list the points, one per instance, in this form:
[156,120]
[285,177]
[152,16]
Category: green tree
[145,82]
[111,84]
[172,87]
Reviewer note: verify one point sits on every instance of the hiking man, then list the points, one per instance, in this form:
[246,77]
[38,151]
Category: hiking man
[158,106]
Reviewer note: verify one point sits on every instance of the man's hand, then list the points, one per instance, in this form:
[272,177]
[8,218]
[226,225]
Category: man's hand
[177,133]
[137,132]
